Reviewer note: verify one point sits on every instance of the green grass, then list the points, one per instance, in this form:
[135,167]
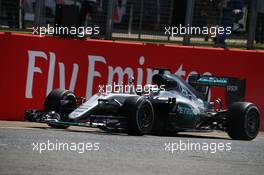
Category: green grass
[237,44]
[16,31]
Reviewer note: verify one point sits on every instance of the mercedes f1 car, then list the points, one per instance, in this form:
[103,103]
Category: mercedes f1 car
[180,106]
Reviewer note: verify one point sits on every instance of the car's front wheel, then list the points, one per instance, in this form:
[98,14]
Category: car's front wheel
[140,115]
[61,101]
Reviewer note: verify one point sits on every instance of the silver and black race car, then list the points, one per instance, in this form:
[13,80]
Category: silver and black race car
[178,106]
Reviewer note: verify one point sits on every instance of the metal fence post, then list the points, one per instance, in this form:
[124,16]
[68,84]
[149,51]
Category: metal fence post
[109,19]
[20,14]
[39,13]
[252,24]
[188,20]
[171,13]
[140,19]
[130,19]
[158,13]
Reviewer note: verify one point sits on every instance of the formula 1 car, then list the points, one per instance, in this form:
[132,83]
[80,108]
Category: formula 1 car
[179,106]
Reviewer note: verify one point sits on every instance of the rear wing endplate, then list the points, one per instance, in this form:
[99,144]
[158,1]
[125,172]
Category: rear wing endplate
[235,87]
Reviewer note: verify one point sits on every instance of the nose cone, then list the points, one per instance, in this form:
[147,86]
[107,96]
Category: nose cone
[84,110]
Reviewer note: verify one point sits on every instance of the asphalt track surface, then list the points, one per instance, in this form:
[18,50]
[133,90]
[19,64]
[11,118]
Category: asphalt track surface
[122,154]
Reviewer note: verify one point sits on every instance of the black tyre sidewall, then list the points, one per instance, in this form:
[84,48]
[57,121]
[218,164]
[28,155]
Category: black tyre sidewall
[237,121]
[53,103]
[132,107]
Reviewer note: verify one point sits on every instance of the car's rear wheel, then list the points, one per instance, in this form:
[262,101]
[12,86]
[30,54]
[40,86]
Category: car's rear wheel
[62,102]
[243,121]
[140,115]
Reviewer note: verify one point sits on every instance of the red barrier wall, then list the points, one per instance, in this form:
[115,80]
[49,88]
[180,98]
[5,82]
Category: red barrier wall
[32,65]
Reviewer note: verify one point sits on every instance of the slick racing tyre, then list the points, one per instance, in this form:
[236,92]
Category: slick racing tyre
[62,102]
[140,115]
[243,121]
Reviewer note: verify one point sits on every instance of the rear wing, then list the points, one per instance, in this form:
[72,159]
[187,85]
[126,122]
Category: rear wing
[235,87]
